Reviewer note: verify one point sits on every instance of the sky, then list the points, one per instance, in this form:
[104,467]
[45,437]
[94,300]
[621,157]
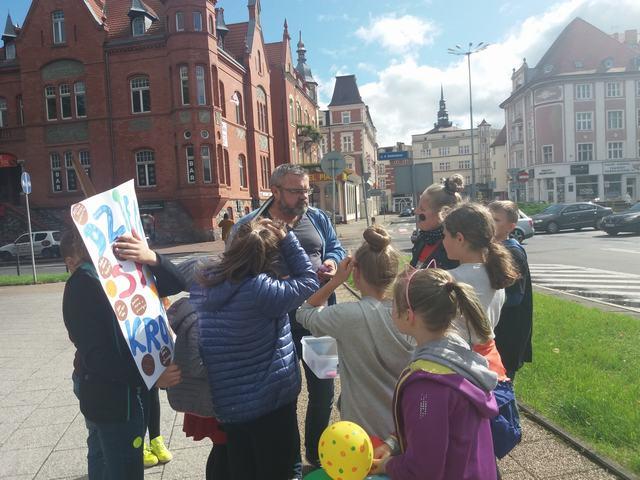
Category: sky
[398,49]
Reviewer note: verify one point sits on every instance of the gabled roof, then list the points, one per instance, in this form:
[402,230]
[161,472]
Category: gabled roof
[138,7]
[484,123]
[501,139]
[9,29]
[117,16]
[345,91]
[236,40]
[275,53]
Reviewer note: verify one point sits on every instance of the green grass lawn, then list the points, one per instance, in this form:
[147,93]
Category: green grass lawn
[585,376]
[6,280]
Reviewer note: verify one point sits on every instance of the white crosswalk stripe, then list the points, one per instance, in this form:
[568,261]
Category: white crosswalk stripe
[621,289]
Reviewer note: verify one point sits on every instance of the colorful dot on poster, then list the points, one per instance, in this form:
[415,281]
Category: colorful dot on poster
[111,288]
[137,442]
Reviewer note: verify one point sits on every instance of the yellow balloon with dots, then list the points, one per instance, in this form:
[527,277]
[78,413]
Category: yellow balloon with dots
[111,288]
[345,451]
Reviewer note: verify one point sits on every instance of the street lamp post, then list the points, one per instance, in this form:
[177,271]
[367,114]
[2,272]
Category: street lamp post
[471,49]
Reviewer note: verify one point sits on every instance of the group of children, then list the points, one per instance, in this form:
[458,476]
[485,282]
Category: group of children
[421,353]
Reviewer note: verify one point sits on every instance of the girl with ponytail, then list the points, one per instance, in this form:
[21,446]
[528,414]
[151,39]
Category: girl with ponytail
[442,402]
[372,351]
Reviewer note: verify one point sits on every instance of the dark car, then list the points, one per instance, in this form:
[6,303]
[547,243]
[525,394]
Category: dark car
[566,216]
[627,221]
[407,212]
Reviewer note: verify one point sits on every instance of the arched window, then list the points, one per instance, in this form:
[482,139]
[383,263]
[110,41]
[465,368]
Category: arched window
[220,161]
[146,168]
[184,84]
[261,96]
[223,103]
[140,94]
[236,98]
[291,112]
[242,167]
[298,113]
[200,85]
[306,117]
[4,114]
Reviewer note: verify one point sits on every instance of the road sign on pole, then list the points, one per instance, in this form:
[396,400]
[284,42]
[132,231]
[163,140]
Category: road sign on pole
[333,164]
[523,176]
[25,180]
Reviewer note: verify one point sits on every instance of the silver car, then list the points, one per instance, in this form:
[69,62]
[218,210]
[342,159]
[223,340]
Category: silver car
[46,244]
[524,227]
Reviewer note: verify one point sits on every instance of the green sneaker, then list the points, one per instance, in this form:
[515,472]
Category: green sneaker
[149,458]
[160,450]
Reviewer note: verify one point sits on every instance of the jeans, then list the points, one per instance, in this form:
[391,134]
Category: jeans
[95,458]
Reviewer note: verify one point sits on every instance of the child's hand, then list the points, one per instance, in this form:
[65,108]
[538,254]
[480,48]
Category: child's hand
[277,228]
[132,247]
[379,466]
[344,269]
[381,452]
[170,377]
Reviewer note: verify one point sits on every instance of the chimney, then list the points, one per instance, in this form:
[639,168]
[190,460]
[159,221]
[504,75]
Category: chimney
[631,37]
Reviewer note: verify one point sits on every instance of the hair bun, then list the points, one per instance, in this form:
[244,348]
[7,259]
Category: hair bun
[377,237]
[454,184]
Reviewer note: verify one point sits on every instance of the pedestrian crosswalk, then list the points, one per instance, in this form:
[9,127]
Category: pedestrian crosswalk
[617,288]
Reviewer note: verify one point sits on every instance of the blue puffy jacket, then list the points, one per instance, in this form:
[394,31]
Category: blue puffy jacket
[245,338]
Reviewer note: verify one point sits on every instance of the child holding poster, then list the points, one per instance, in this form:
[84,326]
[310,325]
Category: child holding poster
[246,345]
[112,393]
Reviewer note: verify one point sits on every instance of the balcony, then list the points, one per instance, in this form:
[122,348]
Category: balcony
[8,135]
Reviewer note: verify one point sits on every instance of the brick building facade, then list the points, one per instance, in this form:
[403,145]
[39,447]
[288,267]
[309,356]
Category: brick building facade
[160,91]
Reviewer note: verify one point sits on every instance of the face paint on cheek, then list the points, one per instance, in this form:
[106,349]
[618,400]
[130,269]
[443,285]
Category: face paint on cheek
[422,217]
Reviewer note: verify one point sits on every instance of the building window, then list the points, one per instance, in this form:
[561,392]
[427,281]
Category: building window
[200,85]
[265,171]
[50,96]
[443,151]
[20,110]
[179,22]
[191,164]
[219,160]
[197,21]
[547,154]
[85,161]
[236,98]
[65,101]
[184,84]
[140,95]
[212,29]
[585,152]
[72,179]
[4,114]
[227,167]
[463,150]
[614,119]
[346,117]
[614,150]
[56,172]
[137,26]
[9,51]
[263,123]
[583,91]
[205,157]
[146,168]
[291,114]
[223,100]
[445,166]
[298,113]
[347,143]
[323,145]
[614,89]
[80,94]
[242,167]
[57,19]
[583,121]
[427,152]
[464,164]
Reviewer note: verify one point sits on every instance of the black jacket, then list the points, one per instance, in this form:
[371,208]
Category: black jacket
[439,255]
[109,377]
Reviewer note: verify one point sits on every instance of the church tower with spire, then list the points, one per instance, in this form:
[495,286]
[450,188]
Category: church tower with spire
[443,115]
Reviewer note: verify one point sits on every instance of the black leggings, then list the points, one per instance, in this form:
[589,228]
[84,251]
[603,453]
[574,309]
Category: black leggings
[218,464]
[153,413]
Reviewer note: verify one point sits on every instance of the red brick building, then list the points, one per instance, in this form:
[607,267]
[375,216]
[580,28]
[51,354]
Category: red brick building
[160,91]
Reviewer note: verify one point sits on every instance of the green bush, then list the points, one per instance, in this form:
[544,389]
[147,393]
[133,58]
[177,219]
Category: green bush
[531,208]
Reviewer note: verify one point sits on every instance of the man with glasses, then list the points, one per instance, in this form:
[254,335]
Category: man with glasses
[290,204]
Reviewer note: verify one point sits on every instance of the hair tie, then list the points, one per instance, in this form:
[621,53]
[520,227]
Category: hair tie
[449,286]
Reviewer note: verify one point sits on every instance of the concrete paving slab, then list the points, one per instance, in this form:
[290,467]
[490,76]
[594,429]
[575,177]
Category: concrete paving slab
[61,397]
[16,414]
[63,463]
[23,462]
[16,399]
[51,416]
[42,436]
[6,429]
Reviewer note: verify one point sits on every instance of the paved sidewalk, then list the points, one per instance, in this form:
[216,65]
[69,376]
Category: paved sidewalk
[42,433]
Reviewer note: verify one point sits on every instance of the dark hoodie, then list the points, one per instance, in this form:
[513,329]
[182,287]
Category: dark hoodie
[442,407]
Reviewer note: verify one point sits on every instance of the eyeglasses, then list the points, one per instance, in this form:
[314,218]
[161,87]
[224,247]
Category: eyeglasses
[297,191]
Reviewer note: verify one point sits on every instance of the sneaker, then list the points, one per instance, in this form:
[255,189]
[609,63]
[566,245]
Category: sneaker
[160,450]
[150,460]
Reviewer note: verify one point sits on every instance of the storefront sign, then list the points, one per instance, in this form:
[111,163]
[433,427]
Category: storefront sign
[7,160]
[323,177]
[580,169]
[547,173]
[621,167]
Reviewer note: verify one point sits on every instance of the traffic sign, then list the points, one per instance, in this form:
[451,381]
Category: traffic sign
[523,176]
[333,163]
[25,180]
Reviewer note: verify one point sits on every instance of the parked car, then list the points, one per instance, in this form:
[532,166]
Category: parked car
[407,212]
[565,216]
[46,244]
[524,228]
[627,221]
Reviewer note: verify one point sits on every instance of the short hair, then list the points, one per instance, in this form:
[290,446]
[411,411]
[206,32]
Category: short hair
[283,170]
[506,206]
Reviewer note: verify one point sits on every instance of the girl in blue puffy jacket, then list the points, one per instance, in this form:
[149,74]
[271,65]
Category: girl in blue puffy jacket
[246,345]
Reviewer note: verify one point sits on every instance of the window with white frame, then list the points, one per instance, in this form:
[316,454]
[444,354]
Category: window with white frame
[146,168]
[445,166]
[443,151]
[197,21]
[184,84]
[140,94]
[585,152]
[212,29]
[4,114]
[179,21]
[467,180]
[614,119]
[242,168]
[323,145]
[583,121]
[191,164]
[462,164]
[137,26]
[427,152]
[85,161]
[57,19]
[56,172]
[205,158]
[464,149]
[292,117]
[347,143]
[298,113]
[65,101]
[50,98]
[547,154]
[9,51]
[236,99]
[200,85]
[613,89]
[72,179]
[79,91]
[583,91]
[614,150]
[346,117]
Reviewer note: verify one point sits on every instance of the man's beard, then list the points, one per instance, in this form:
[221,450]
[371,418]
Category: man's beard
[294,211]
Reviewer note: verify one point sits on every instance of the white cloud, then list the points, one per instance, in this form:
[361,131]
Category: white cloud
[404,97]
[398,34]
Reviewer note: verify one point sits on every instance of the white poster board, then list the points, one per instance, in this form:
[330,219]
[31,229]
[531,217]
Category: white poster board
[129,286]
